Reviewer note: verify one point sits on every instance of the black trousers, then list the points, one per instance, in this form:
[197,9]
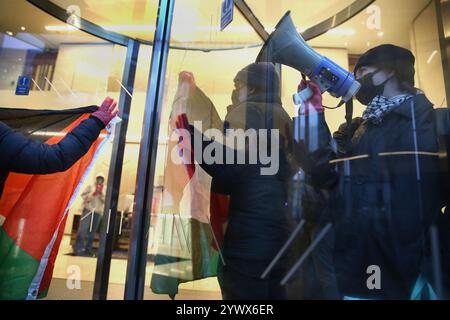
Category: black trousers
[240,279]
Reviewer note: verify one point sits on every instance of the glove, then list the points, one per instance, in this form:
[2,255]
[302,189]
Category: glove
[186,76]
[315,102]
[183,123]
[107,111]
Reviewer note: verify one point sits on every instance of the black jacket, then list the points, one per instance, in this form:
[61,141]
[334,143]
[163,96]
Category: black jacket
[23,155]
[385,199]
[259,217]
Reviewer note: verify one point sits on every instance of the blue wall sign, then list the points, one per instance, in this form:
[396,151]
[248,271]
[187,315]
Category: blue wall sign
[227,13]
[23,86]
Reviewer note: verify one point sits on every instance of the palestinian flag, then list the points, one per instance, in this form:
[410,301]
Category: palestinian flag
[33,208]
[189,225]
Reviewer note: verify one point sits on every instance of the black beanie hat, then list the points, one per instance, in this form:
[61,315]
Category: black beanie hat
[262,75]
[392,57]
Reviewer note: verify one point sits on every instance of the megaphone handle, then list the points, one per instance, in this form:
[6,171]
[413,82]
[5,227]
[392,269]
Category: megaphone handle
[349,112]
[303,96]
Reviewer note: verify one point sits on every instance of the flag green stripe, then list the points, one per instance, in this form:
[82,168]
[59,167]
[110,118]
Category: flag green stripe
[17,269]
[169,271]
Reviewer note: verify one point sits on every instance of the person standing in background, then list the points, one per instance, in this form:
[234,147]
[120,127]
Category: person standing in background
[93,206]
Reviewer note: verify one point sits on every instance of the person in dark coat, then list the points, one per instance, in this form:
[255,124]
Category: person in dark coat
[259,218]
[386,192]
[20,154]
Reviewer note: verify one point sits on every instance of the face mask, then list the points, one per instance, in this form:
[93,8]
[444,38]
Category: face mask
[99,187]
[235,97]
[368,90]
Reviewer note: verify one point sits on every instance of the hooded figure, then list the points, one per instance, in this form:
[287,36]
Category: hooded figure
[384,180]
[259,218]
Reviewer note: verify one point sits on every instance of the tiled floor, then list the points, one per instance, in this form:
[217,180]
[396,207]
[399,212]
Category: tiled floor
[66,266]
[59,291]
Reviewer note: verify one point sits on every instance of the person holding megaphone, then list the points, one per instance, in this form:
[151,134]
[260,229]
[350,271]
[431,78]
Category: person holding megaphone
[382,170]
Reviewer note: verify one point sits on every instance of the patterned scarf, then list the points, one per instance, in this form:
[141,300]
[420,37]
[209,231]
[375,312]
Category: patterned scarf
[380,106]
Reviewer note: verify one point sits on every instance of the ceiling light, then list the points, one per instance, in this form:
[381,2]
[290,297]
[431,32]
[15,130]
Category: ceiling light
[22,28]
[130,28]
[342,32]
[9,33]
[380,34]
[60,28]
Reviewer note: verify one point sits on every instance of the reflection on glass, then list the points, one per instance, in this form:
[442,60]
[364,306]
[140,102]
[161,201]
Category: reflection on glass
[304,13]
[378,181]
[135,18]
[361,214]
[353,220]
[67,69]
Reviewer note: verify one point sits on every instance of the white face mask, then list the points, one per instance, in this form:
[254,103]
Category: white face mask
[239,95]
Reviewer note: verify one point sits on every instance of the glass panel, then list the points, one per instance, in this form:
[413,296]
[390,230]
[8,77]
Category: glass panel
[374,26]
[182,244]
[304,13]
[71,69]
[117,275]
[364,205]
[361,204]
[378,183]
[197,28]
[200,28]
[134,18]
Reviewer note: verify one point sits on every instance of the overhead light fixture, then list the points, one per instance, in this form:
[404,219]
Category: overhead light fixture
[60,28]
[341,32]
[380,34]
[9,33]
[23,28]
[130,28]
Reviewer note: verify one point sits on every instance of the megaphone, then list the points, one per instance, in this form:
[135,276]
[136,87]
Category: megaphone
[286,46]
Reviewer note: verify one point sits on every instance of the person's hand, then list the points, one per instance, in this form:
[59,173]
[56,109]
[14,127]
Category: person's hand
[315,102]
[107,111]
[185,143]
[186,76]
[186,79]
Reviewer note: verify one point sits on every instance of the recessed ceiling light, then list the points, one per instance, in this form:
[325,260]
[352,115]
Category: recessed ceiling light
[9,33]
[341,31]
[380,33]
[22,28]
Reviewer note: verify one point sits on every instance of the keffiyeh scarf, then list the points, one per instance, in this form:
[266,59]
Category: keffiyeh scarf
[380,106]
